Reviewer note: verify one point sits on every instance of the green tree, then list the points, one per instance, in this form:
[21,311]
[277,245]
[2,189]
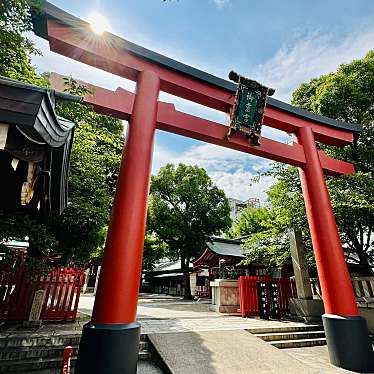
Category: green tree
[346,95]
[16,48]
[94,164]
[270,246]
[184,208]
[250,221]
[263,235]
[154,251]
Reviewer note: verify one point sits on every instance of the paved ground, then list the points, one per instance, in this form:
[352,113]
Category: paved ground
[315,357]
[224,352]
[147,367]
[201,341]
[169,314]
[191,320]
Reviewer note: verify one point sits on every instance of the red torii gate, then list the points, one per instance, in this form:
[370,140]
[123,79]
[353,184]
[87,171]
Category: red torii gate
[110,341]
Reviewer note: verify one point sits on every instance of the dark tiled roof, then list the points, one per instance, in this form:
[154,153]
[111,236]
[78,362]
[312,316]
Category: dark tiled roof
[226,247]
[32,109]
[30,113]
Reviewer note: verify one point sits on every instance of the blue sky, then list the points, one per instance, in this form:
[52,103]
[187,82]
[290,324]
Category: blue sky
[279,43]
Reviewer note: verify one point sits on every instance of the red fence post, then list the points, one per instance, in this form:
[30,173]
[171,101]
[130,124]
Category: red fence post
[68,351]
[71,296]
[64,302]
[79,275]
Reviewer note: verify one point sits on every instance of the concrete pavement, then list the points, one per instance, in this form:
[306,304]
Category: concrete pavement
[170,314]
[192,339]
[224,352]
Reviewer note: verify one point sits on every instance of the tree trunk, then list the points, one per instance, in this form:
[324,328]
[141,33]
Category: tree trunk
[364,262]
[359,246]
[185,262]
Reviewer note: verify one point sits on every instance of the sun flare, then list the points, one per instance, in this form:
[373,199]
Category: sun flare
[98,23]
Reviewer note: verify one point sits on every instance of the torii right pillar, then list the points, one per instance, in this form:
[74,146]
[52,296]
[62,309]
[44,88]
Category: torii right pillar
[346,331]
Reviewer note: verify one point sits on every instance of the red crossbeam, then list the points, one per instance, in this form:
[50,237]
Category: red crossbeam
[119,103]
[171,120]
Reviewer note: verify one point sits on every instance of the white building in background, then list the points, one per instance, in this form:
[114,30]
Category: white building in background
[237,206]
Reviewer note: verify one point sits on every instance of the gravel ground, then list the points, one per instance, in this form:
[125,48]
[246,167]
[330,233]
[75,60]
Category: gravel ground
[148,367]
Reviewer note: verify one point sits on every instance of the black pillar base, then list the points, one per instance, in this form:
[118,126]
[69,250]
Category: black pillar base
[348,343]
[108,348]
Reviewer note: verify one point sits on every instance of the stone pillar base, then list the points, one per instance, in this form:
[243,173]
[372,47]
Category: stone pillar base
[308,310]
[225,308]
[225,296]
[108,348]
[349,343]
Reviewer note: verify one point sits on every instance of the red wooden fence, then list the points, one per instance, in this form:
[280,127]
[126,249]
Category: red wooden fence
[63,286]
[248,293]
[16,294]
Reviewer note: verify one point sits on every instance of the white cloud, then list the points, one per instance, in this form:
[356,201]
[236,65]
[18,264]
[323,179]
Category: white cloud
[221,3]
[238,184]
[230,170]
[310,57]
[212,157]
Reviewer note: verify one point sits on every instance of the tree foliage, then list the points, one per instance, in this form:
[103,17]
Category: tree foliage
[250,221]
[16,48]
[94,165]
[185,207]
[154,251]
[96,154]
[346,95]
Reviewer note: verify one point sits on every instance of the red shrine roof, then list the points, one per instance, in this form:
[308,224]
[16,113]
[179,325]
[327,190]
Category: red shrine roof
[218,248]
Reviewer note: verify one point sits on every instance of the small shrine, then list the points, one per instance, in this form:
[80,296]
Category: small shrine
[35,146]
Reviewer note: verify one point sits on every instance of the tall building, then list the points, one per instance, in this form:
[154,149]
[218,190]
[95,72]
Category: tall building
[237,206]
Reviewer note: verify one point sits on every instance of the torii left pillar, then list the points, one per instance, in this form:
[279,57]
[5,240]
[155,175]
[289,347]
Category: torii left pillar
[110,341]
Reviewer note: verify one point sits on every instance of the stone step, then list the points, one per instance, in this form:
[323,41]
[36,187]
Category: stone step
[39,340]
[44,340]
[21,353]
[42,353]
[37,365]
[284,329]
[298,343]
[25,353]
[33,364]
[278,336]
[144,355]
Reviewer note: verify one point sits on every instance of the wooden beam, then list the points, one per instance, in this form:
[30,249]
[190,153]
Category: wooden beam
[171,120]
[120,103]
